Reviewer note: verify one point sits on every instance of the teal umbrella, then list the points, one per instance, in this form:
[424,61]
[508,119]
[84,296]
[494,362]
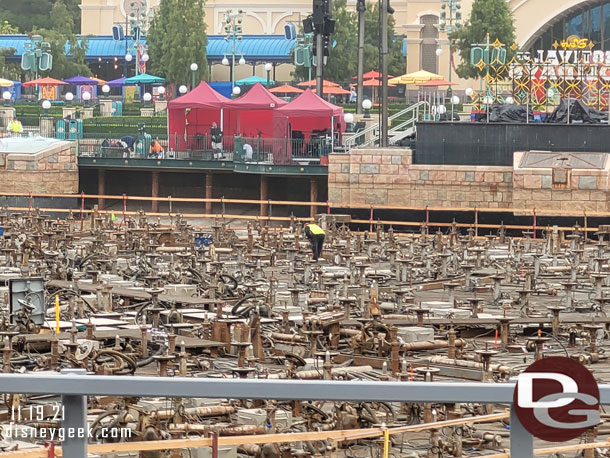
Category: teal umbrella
[252,80]
[144,79]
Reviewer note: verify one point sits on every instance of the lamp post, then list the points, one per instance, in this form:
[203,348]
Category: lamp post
[161,92]
[6,96]
[86,98]
[233,33]
[454,101]
[367,105]
[194,68]
[268,68]
[46,106]
[236,91]
[139,20]
[451,19]
[487,100]
[147,98]
[69,97]
[182,89]
[105,90]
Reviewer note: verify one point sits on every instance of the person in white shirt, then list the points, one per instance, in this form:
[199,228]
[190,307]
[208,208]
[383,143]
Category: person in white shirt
[248,153]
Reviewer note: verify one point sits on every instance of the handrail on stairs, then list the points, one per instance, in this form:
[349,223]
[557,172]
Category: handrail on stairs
[350,142]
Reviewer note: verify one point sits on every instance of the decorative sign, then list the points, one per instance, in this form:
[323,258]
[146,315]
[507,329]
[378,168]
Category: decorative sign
[542,77]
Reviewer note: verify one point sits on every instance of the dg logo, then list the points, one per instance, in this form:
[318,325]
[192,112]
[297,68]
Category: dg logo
[557,399]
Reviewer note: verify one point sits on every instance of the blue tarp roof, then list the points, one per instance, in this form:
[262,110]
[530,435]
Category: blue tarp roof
[268,48]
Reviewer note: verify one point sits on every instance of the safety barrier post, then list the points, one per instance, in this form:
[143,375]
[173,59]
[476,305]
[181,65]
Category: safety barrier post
[169,199]
[124,208]
[327,208]
[82,210]
[534,221]
[586,225]
[270,213]
[476,222]
[427,221]
[30,207]
[214,445]
[371,220]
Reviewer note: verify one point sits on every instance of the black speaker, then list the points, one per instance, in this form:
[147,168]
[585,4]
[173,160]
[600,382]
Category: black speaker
[319,11]
[307,25]
[329,27]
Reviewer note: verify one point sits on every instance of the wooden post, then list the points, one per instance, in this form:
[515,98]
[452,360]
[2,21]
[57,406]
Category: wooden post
[264,195]
[209,183]
[313,196]
[155,192]
[101,188]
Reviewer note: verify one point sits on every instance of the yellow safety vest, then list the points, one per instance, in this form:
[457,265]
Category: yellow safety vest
[315,229]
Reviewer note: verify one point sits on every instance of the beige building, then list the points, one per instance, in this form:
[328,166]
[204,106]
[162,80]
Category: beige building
[538,23]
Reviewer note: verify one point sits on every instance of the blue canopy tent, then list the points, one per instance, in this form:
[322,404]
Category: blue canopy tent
[252,80]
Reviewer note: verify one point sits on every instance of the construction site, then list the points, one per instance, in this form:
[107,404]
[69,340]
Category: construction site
[163,337]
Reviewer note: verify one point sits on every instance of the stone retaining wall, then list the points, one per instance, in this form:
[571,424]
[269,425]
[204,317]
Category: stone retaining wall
[388,177]
[53,170]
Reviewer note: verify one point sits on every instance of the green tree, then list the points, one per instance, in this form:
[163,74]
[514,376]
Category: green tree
[487,16]
[372,43]
[27,15]
[177,38]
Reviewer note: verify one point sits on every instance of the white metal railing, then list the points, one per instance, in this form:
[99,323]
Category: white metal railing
[353,141]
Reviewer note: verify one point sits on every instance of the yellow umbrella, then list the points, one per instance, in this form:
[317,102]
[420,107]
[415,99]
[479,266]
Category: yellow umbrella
[418,77]
[6,83]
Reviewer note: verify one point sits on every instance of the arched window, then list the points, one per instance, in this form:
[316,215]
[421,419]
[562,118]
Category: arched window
[429,43]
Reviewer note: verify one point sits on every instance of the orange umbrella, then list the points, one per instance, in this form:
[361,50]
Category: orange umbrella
[374,83]
[335,90]
[44,82]
[100,82]
[286,89]
[371,75]
[312,83]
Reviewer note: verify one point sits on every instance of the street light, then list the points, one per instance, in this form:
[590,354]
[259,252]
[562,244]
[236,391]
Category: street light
[488,100]
[236,91]
[105,89]
[232,24]
[450,20]
[367,105]
[86,97]
[147,98]
[194,68]
[439,51]
[348,118]
[441,110]
[46,106]
[268,68]
[128,57]
[69,97]
[225,61]
[182,89]
[161,91]
[6,96]
[454,101]
[469,91]
[145,57]
[242,60]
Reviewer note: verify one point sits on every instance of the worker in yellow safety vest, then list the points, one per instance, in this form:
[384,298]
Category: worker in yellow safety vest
[316,236]
[15,126]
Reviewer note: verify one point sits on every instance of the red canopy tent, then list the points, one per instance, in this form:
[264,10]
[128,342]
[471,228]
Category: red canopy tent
[252,113]
[193,114]
[306,114]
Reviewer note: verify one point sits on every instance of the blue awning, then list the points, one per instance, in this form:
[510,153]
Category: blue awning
[255,48]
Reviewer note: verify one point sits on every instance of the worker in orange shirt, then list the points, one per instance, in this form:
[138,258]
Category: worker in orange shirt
[155,151]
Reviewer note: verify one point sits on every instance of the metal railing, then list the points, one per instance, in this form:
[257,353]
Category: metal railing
[272,151]
[73,385]
[370,135]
